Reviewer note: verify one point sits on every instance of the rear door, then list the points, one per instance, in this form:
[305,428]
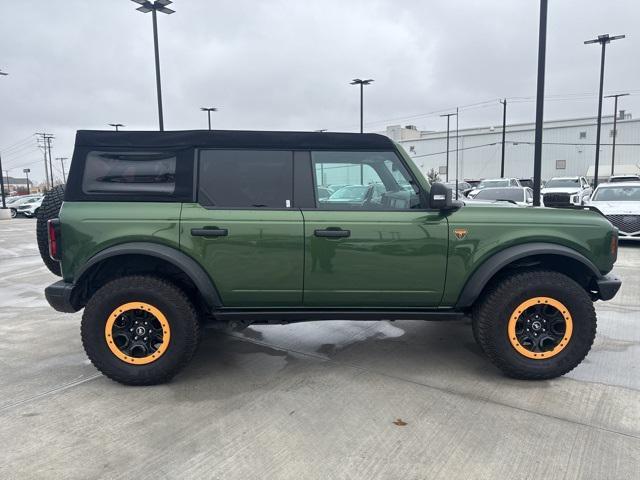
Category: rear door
[244,229]
[372,243]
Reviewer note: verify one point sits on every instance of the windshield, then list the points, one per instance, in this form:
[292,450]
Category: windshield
[493,183]
[514,194]
[617,194]
[563,183]
[353,192]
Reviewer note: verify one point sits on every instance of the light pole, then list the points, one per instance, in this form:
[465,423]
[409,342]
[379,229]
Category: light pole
[615,125]
[4,203]
[116,126]
[448,115]
[504,130]
[542,54]
[26,172]
[209,110]
[362,83]
[147,6]
[602,40]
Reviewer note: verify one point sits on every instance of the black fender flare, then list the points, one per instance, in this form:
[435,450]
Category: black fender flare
[188,265]
[483,274]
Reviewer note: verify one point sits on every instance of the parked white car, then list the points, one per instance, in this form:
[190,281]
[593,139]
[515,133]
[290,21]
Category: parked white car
[566,191]
[15,202]
[30,207]
[620,203]
[519,195]
[494,183]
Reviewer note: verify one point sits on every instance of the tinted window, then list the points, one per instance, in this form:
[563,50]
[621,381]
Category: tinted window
[563,183]
[617,194]
[363,181]
[246,178]
[129,172]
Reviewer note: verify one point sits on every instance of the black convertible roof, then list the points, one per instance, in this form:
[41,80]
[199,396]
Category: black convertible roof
[233,139]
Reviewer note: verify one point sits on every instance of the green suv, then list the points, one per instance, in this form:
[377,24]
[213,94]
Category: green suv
[160,232]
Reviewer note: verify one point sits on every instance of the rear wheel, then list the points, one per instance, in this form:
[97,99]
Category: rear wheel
[49,209]
[140,330]
[536,324]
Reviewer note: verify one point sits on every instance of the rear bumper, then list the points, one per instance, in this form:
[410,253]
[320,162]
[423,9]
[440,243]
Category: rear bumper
[60,296]
[608,286]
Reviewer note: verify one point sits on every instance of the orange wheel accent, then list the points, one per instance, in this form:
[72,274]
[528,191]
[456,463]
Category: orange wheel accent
[162,327]
[519,314]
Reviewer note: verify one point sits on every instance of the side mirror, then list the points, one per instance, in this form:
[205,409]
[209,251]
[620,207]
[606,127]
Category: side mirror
[440,197]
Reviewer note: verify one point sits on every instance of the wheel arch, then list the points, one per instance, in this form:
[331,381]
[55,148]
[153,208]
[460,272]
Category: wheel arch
[552,256]
[146,257]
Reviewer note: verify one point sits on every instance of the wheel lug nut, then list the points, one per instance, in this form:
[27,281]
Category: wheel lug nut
[135,338]
[145,339]
[131,329]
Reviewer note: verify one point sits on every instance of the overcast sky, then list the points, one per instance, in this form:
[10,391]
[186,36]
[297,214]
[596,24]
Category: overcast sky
[286,65]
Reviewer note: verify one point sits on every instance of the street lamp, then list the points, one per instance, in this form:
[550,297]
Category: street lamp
[362,83]
[615,129]
[602,40]
[4,203]
[209,110]
[448,115]
[116,125]
[147,6]
[26,172]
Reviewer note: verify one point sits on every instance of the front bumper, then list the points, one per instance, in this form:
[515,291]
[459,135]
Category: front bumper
[608,286]
[60,296]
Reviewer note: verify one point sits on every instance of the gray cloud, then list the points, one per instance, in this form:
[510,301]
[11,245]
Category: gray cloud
[286,65]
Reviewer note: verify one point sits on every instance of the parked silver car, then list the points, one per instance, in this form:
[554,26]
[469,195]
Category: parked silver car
[620,203]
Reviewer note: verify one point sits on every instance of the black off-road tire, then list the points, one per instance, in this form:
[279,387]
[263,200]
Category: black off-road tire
[170,300]
[49,209]
[491,318]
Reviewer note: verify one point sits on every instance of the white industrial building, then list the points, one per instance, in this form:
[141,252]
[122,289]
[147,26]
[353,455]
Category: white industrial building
[568,148]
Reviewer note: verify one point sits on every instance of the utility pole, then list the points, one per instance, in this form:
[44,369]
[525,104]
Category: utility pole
[116,125]
[50,159]
[209,110]
[615,129]
[448,115]
[26,172]
[48,166]
[542,53]
[602,40]
[4,203]
[147,6]
[64,176]
[504,129]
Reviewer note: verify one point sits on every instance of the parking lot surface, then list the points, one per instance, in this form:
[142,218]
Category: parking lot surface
[392,400]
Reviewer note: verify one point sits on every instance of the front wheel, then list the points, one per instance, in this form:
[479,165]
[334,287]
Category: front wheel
[535,325]
[140,330]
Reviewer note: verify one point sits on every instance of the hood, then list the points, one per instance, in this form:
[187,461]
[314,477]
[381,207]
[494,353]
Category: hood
[617,208]
[569,190]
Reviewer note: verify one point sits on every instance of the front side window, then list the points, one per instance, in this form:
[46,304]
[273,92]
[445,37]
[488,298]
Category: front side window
[363,181]
[245,178]
[129,173]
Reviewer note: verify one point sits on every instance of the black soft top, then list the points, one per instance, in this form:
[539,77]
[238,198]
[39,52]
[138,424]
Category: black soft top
[233,139]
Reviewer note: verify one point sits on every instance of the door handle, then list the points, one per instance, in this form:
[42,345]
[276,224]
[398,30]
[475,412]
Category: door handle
[209,232]
[332,232]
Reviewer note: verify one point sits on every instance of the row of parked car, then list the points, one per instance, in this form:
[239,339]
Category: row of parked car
[26,205]
[618,199]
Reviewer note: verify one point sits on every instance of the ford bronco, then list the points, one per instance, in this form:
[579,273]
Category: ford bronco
[160,232]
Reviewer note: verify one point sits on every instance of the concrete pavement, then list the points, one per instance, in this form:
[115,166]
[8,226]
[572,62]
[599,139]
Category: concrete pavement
[346,400]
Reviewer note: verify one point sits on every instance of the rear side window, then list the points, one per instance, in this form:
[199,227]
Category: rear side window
[245,178]
[142,172]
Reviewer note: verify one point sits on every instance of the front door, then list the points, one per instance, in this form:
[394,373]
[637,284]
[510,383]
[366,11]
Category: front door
[371,243]
[244,229]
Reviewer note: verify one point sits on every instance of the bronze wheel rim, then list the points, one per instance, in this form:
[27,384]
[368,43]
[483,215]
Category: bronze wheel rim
[540,328]
[137,333]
